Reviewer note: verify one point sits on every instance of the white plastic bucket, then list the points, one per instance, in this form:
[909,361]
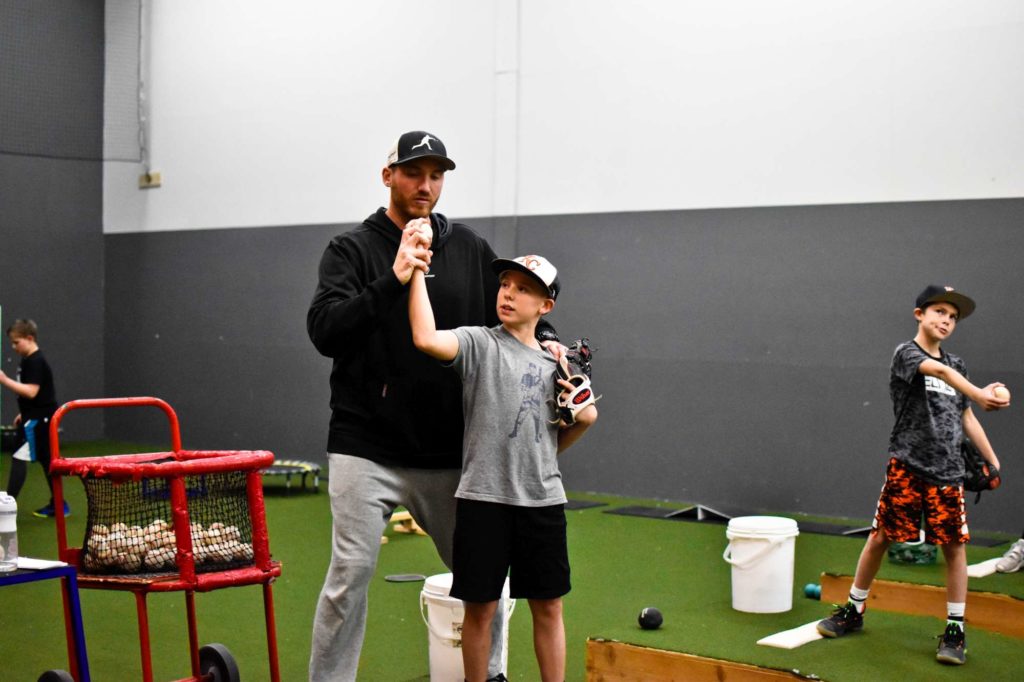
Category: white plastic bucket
[443,616]
[761,551]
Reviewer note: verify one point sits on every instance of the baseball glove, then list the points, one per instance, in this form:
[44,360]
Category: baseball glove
[979,475]
[574,367]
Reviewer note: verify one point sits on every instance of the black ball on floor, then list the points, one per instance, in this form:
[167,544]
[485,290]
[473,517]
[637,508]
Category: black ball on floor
[650,618]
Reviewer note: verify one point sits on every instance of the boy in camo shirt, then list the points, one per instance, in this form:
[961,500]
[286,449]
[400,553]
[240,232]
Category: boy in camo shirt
[931,398]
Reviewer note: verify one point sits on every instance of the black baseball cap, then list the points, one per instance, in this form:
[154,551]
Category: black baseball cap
[933,293]
[418,144]
[537,267]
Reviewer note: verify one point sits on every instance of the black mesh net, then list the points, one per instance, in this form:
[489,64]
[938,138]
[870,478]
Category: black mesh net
[129,529]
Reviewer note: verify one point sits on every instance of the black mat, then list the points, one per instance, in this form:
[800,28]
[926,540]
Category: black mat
[649,512]
[833,529]
[692,513]
[573,505]
[705,514]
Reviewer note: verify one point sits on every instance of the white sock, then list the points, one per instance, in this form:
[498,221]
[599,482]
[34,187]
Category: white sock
[955,613]
[858,597]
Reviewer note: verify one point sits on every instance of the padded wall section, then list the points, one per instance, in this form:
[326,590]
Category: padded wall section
[214,322]
[743,353]
[51,232]
[51,78]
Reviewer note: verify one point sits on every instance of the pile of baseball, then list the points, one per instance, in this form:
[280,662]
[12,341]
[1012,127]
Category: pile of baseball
[136,549]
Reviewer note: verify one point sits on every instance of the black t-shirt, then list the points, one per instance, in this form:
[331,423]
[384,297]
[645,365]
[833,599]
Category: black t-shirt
[35,370]
[929,415]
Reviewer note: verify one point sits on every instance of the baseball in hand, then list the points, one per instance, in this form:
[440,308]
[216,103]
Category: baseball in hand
[426,233]
[1001,392]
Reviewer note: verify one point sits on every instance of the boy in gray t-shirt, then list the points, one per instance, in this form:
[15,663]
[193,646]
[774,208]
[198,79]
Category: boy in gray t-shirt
[931,400]
[510,514]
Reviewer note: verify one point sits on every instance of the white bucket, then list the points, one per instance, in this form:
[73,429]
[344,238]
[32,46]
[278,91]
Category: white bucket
[761,551]
[443,616]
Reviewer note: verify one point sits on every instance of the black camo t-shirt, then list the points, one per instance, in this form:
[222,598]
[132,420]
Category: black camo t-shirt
[35,370]
[929,416]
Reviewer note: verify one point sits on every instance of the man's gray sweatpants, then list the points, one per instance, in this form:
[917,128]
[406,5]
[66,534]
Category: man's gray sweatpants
[363,496]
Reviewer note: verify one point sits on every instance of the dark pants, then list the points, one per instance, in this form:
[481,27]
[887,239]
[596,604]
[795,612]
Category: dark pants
[36,434]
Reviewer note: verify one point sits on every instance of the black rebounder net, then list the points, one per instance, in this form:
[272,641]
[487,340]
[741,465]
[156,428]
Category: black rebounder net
[129,529]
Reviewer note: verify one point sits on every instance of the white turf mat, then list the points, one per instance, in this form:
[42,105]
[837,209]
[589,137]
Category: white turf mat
[791,639]
[983,569]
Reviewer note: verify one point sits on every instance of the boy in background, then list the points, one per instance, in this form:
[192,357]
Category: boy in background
[37,401]
[931,398]
[510,513]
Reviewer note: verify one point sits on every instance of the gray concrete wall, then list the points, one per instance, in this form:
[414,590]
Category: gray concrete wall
[742,353]
[51,182]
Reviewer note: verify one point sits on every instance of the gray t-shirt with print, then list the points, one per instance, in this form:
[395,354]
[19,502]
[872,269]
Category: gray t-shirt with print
[510,447]
[929,416]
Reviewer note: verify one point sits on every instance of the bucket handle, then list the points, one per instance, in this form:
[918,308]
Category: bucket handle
[753,559]
[426,621]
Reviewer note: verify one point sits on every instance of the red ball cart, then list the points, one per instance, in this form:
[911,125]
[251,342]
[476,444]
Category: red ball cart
[184,520]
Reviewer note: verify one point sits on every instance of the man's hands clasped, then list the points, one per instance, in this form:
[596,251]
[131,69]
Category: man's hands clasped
[414,250]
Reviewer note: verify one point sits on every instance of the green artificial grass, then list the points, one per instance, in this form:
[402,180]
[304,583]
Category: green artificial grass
[620,564]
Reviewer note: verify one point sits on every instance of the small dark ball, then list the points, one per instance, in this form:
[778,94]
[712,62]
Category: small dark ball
[650,618]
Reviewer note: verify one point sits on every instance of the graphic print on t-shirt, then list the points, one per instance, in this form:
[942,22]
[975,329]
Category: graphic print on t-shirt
[531,385]
[938,385]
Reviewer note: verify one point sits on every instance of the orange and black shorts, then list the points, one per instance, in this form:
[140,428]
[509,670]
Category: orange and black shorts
[907,499]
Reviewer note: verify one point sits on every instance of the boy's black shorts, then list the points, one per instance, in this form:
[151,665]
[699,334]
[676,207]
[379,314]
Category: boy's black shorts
[528,544]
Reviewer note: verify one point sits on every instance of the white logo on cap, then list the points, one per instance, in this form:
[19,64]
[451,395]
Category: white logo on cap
[949,288]
[425,141]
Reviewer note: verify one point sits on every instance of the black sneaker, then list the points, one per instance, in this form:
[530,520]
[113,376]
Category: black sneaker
[500,677]
[953,646]
[844,619]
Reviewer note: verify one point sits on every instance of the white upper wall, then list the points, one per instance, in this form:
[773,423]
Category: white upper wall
[265,113]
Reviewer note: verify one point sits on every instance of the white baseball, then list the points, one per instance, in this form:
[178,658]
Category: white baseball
[158,559]
[130,562]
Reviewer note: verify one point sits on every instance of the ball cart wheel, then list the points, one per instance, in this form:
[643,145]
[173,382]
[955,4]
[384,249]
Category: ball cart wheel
[56,676]
[217,664]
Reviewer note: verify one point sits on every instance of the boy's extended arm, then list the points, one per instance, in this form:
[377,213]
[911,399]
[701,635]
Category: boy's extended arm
[24,390]
[974,431]
[440,344]
[983,396]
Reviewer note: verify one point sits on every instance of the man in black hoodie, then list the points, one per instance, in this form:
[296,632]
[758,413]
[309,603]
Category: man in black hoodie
[396,425]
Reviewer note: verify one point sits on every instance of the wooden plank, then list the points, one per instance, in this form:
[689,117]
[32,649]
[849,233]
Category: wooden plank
[609,661]
[405,523]
[988,610]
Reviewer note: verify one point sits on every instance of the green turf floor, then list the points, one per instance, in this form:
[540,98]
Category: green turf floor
[620,564]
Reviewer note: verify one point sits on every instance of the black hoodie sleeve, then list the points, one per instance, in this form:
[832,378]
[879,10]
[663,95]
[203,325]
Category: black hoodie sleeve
[345,307]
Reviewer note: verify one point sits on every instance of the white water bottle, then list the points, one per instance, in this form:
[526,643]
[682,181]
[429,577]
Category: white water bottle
[8,533]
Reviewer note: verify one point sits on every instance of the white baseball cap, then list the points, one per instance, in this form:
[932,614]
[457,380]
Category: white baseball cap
[538,267]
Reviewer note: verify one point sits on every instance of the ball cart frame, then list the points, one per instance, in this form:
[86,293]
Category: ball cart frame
[211,663]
